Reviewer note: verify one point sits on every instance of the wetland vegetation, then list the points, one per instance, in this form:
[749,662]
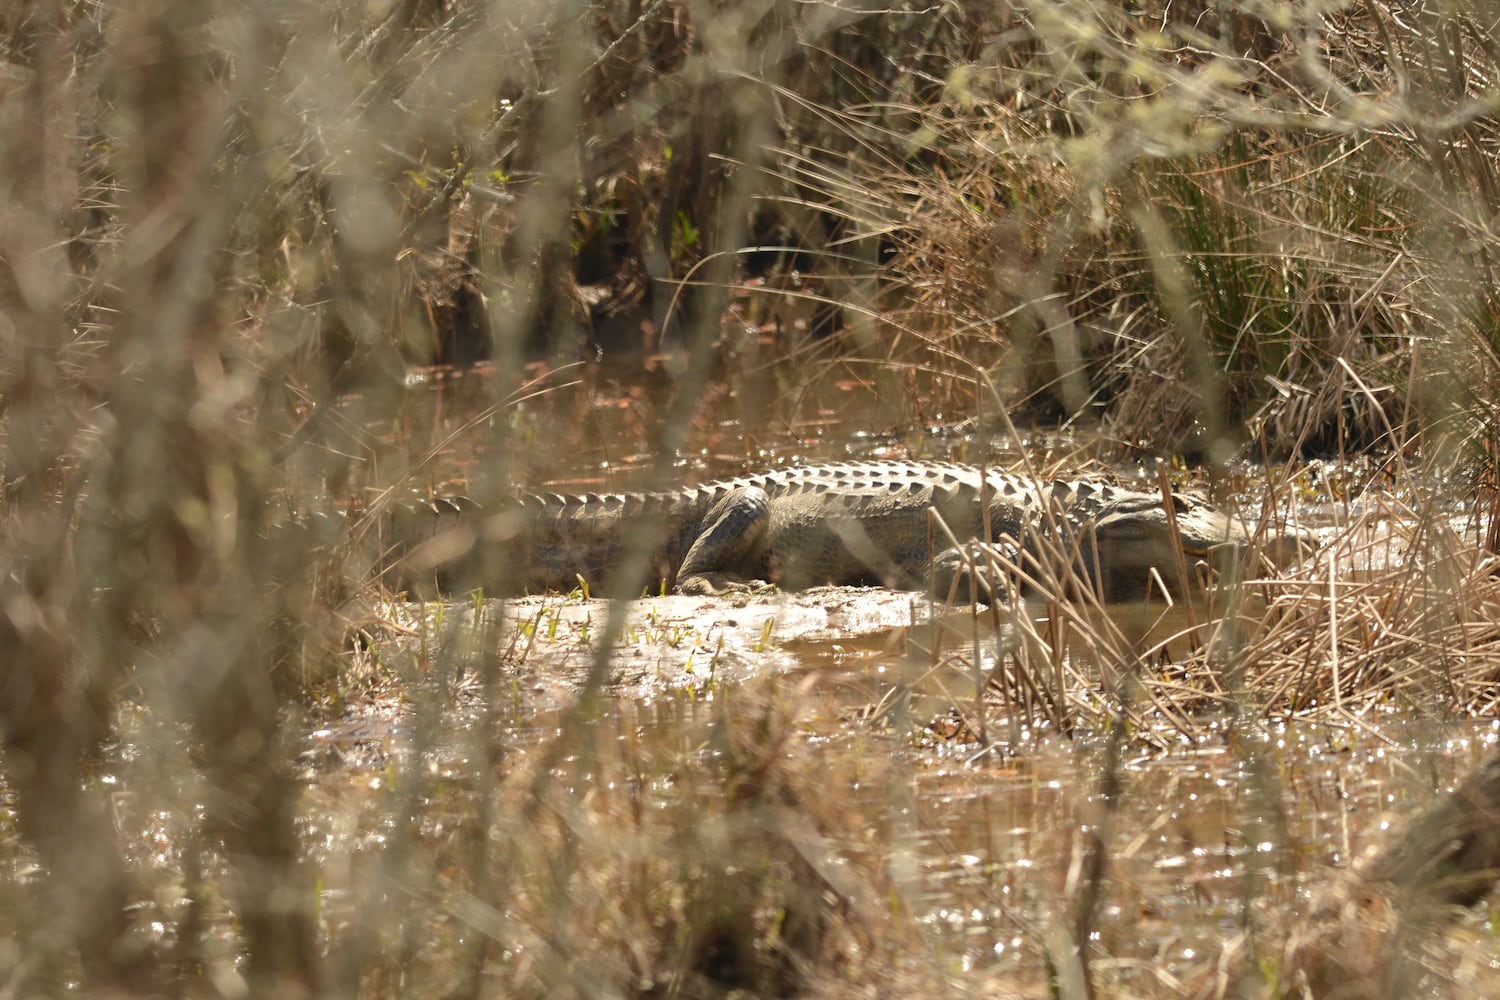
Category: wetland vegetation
[267,270]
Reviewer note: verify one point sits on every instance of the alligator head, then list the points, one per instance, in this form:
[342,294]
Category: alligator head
[1141,535]
[1131,548]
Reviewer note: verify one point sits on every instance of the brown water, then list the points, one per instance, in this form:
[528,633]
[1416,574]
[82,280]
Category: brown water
[1198,840]
[577,428]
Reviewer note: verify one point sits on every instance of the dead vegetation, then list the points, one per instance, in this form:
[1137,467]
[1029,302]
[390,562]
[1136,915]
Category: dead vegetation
[229,235]
[1396,614]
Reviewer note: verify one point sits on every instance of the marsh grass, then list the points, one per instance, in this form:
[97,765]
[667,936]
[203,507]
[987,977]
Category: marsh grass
[230,234]
[1125,221]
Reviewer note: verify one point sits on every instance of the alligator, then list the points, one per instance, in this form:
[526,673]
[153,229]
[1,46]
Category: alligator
[855,523]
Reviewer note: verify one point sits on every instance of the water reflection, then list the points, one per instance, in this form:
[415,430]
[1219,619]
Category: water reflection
[1196,838]
[579,429]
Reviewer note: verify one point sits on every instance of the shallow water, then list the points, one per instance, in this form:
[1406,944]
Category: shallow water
[1263,817]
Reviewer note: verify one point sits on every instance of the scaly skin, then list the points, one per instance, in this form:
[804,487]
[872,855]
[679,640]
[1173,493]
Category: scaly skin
[856,523]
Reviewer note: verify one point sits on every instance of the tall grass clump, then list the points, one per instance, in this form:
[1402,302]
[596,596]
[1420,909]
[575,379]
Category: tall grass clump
[1256,226]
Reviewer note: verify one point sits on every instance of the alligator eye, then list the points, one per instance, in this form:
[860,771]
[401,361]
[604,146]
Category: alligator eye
[1121,530]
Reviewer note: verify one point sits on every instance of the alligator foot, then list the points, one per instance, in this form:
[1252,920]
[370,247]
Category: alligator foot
[716,584]
[972,572]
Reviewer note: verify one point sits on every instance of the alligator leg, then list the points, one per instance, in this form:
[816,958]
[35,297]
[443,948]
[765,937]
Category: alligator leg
[975,571]
[731,546]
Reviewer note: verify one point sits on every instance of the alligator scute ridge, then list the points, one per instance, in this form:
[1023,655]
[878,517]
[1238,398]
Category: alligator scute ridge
[854,523]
